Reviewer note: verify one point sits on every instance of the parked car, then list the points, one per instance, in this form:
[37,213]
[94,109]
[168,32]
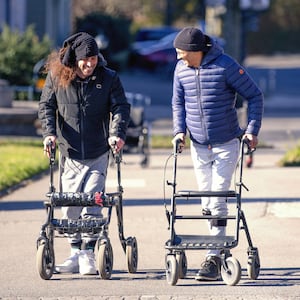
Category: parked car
[153,33]
[149,39]
[153,55]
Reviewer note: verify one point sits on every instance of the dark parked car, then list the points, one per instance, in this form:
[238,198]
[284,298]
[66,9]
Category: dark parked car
[153,33]
[154,54]
[148,41]
[157,55]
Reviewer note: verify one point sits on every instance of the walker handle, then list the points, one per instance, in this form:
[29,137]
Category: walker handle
[246,141]
[52,151]
[178,145]
[116,155]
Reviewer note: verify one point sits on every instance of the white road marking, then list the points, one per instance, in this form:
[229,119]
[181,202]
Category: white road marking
[133,183]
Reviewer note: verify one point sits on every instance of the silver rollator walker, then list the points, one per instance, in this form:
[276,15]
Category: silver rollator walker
[45,256]
[176,260]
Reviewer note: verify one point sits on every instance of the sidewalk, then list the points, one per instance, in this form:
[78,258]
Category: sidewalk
[272,208]
[272,211]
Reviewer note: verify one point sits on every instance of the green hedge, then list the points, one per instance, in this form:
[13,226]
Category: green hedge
[19,54]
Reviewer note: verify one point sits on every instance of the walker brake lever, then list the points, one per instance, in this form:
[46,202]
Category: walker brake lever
[51,150]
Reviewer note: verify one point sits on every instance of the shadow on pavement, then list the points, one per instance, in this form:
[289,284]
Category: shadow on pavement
[18,205]
[32,205]
[267,277]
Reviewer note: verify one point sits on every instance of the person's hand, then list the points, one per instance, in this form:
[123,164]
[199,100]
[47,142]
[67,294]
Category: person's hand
[116,143]
[49,141]
[253,140]
[181,137]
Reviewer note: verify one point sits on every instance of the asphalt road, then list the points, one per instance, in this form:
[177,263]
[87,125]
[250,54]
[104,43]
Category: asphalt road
[272,211]
[272,208]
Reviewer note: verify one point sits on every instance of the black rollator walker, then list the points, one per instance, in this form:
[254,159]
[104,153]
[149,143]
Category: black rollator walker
[176,260]
[45,257]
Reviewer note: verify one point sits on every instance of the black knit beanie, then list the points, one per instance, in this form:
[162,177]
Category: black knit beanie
[192,39]
[79,46]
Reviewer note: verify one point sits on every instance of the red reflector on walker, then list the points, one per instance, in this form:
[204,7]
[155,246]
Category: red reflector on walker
[98,198]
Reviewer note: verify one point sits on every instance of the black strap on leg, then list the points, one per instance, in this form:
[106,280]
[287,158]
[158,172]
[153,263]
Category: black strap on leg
[219,222]
[88,245]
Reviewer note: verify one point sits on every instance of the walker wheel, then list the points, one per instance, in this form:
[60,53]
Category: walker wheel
[231,271]
[105,259]
[182,264]
[45,261]
[253,264]
[171,269]
[132,254]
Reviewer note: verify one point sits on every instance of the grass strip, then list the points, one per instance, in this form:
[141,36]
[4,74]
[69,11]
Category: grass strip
[291,158]
[20,160]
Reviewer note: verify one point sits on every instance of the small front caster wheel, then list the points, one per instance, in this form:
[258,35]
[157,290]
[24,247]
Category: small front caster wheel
[45,261]
[171,269]
[132,255]
[231,271]
[182,264]
[253,264]
[105,260]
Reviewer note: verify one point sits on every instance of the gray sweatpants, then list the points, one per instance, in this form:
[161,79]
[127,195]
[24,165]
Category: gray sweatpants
[83,176]
[214,168]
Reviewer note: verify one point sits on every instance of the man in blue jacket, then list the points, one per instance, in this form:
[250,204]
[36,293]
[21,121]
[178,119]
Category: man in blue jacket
[206,82]
[83,109]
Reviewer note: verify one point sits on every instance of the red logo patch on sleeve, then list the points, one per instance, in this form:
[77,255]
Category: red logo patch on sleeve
[241,71]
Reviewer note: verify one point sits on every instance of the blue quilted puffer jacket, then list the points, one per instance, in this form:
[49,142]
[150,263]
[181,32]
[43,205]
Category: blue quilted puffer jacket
[204,99]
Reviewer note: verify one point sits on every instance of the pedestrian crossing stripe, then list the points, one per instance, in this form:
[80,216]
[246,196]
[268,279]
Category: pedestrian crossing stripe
[130,183]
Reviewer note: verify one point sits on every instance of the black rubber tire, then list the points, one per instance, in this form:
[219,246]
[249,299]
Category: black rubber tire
[132,255]
[45,261]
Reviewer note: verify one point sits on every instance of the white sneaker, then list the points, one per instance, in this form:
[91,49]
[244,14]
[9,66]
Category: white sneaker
[70,265]
[87,263]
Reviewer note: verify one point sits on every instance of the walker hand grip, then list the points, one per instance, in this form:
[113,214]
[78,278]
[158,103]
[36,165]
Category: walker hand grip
[116,154]
[51,150]
[178,145]
[246,142]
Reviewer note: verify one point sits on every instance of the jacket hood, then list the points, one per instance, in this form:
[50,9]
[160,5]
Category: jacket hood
[215,51]
[101,60]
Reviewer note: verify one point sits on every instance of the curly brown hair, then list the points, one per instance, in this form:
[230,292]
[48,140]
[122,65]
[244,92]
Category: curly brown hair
[62,74]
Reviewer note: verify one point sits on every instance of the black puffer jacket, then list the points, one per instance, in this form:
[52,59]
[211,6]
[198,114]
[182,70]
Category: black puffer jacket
[82,114]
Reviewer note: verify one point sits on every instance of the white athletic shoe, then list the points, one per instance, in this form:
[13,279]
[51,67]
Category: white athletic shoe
[87,263]
[70,265]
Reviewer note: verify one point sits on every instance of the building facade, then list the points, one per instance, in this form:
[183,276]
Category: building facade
[49,17]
